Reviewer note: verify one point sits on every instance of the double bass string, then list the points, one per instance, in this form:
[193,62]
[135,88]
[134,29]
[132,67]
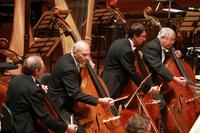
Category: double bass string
[196,86]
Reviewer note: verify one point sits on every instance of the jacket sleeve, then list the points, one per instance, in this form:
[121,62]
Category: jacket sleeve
[72,84]
[152,56]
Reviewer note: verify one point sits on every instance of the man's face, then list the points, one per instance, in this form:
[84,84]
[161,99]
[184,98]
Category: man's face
[167,42]
[82,55]
[139,40]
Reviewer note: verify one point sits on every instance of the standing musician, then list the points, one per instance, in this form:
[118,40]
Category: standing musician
[65,80]
[154,55]
[119,63]
[25,99]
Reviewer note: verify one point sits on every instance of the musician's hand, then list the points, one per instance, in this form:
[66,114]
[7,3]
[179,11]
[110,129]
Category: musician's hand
[155,89]
[72,128]
[178,53]
[45,88]
[106,100]
[180,80]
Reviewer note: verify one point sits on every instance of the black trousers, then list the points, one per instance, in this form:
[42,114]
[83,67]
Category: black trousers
[163,109]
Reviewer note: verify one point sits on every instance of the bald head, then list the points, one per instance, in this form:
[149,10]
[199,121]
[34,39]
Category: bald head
[31,64]
[81,51]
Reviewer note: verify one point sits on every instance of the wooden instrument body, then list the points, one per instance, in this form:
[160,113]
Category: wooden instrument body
[181,110]
[97,116]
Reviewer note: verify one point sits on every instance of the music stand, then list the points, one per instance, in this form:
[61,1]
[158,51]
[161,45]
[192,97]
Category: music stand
[191,22]
[101,16]
[43,46]
[46,21]
[160,3]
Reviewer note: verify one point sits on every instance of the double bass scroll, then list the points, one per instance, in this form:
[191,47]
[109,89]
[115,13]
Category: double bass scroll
[63,24]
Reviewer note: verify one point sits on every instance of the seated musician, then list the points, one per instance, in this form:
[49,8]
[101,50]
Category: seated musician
[25,99]
[138,123]
[154,55]
[119,64]
[65,80]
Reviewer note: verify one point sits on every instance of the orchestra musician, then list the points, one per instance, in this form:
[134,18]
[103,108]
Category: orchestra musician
[154,55]
[138,123]
[119,63]
[65,80]
[25,99]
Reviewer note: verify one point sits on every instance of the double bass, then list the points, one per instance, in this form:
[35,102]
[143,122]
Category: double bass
[52,110]
[101,118]
[184,106]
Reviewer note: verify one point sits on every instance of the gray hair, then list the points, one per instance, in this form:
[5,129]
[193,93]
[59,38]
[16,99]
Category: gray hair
[165,32]
[80,45]
[32,63]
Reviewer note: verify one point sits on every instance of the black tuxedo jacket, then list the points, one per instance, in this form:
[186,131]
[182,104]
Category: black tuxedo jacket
[26,102]
[119,67]
[152,55]
[64,84]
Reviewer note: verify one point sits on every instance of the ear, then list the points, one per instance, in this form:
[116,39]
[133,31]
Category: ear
[74,52]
